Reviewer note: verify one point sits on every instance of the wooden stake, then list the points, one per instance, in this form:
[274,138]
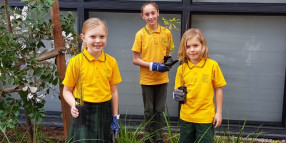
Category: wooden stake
[61,65]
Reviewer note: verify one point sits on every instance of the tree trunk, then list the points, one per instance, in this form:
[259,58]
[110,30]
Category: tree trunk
[61,65]
[29,125]
[7,16]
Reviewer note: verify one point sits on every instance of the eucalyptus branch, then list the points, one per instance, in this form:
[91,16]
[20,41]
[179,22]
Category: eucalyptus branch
[51,54]
[11,89]
[20,62]
[44,56]
[7,16]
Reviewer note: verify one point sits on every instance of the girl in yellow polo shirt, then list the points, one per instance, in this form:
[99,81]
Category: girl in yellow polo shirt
[90,87]
[198,79]
[149,49]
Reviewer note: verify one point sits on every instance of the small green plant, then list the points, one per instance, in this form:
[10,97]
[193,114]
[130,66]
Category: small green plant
[227,137]
[173,137]
[171,24]
[128,134]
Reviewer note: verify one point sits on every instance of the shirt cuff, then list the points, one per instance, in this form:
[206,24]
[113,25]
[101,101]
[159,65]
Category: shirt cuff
[150,66]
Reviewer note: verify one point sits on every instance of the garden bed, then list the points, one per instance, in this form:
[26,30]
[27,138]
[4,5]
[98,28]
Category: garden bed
[45,134]
[56,135]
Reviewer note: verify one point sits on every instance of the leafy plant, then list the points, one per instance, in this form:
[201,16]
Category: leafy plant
[24,67]
[129,134]
[227,137]
[71,38]
[173,137]
[171,24]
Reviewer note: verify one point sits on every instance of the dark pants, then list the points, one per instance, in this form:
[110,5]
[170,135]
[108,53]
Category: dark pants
[154,98]
[196,133]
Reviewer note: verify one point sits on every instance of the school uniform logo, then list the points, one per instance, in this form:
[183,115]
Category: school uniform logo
[205,78]
[107,73]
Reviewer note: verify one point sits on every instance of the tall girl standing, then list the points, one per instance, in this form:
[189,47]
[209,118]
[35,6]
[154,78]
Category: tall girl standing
[91,80]
[149,50]
[203,79]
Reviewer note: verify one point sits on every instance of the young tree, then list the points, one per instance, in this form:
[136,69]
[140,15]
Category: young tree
[25,67]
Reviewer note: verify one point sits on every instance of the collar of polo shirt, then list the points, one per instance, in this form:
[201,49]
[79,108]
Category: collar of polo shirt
[89,57]
[150,31]
[201,64]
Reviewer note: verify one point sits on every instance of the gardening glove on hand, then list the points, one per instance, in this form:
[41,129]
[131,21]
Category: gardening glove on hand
[180,94]
[158,67]
[115,125]
[168,61]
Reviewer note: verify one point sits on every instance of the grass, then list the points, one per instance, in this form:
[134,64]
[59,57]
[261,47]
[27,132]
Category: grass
[129,134]
[227,137]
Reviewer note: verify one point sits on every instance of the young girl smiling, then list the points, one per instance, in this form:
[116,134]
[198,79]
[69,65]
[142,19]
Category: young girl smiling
[149,50]
[91,78]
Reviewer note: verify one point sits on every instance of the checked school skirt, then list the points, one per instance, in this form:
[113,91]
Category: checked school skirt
[92,125]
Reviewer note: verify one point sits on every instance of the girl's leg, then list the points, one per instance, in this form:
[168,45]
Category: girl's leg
[204,133]
[159,103]
[148,100]
[187,132]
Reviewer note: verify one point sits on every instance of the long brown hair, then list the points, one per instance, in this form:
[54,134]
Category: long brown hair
[189,34]
[90,24]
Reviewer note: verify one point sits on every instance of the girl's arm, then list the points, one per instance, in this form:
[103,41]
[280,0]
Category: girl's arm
[68,96]
[153,66]
[219,100]
[114,93]
[138,61]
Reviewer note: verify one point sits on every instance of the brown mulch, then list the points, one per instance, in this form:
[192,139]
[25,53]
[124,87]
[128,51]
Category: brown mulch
[45,134]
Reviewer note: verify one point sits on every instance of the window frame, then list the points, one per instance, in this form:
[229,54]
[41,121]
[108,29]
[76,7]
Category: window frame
[186,8]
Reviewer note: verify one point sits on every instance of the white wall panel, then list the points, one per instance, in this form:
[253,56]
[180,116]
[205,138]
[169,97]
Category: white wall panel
[252,55]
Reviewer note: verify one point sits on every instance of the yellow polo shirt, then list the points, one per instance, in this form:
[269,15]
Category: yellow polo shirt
[200,80]
[97,75]
[152,45]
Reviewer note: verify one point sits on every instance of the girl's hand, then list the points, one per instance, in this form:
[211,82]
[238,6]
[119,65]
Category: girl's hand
[74,111]
[217,120]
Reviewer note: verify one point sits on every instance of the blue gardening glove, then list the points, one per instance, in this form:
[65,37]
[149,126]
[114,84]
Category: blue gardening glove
[180,94]
[115,125]
[158,67]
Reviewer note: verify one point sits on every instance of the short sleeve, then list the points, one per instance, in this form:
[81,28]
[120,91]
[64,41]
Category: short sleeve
[218,78]
[116,77]
[70,76]
[137,45]
[178,79]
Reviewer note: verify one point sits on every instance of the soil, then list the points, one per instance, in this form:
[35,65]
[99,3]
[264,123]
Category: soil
[45,134]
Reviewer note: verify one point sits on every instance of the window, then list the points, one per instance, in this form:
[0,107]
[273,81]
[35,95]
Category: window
[251,53]
[243,1]
[139,0]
